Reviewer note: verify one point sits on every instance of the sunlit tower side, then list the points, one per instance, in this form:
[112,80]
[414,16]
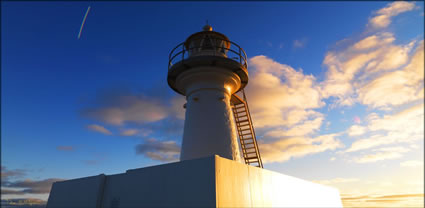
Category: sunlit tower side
[209,69]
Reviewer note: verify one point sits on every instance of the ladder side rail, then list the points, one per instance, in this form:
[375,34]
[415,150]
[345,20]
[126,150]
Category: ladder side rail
[240,137]
[252,128]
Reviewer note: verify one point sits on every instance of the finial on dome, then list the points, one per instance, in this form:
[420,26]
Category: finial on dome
[207,27]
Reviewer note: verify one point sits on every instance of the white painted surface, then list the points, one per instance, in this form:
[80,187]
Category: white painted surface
[209,127]
[82,192]
[240,185]
[206,182]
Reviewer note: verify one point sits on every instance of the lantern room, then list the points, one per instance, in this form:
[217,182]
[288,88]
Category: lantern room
[207,42]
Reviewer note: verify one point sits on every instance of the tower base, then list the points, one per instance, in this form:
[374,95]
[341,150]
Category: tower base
[205,182]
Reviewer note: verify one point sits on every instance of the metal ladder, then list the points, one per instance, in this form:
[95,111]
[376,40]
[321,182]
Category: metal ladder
[246,131]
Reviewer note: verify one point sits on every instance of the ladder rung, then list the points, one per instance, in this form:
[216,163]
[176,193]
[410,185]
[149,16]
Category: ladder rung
[238,117]
[241,111]
[250,148]
[242,121]
[245,129]
[244,144]
[250,133]
[247,139]
[239,107]
[250,158]
[243,125]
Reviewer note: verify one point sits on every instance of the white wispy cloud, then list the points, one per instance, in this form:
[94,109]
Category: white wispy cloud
[129,132]
[412,163]
[403,127]
[385,153]
[383,16]
[366,70]
[65,148]
[285,149]
[371,68]
[336,180]
[99,128]
[299,43]
[403,85]
[356,130]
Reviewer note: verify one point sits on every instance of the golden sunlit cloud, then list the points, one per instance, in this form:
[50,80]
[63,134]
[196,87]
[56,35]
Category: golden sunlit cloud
[399,200]
[383,16]
[285,149]
[403,127]
[382,154]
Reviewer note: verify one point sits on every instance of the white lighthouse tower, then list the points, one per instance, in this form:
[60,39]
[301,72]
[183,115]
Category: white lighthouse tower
[201,69]
[208,69]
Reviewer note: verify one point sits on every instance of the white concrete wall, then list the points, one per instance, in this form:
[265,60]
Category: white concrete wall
[240,185]
[184,184]
[207,182]
[82,192]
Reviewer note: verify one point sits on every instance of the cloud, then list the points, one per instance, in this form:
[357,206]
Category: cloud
[91,162]
[356,130]
[9,174]
[164,151]
[383,16]
[30,202]
[408,120]
[412,163]
[386,153]
[305,128]
[129,132]
[282,102]
[285,149]
[140,132]
[99,128]
[280,95]
[357,120]
[367,71]
[11,192]
[403,85]
[31,187]
[119,109]
[177,109]
[390,200]
[336,180]
[300,43]
[65,148]
[403,127]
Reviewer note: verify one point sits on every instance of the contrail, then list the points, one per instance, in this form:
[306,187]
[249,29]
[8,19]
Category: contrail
[84,21]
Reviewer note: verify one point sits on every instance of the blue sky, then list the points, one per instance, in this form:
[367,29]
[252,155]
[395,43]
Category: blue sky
[56,87]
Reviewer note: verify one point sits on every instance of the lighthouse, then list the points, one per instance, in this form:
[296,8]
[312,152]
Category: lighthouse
[207,71]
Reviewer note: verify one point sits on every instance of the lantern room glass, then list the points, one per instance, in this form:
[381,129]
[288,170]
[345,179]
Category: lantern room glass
[208,45]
